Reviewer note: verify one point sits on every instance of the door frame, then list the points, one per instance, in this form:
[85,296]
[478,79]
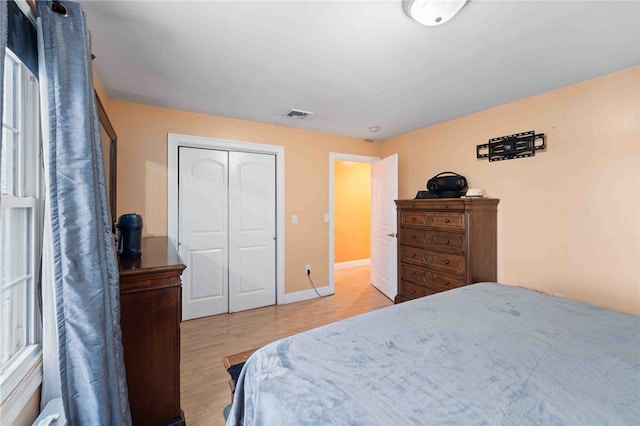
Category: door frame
[175,141]
[333,157]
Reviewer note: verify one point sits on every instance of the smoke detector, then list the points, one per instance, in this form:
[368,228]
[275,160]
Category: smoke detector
[298,114]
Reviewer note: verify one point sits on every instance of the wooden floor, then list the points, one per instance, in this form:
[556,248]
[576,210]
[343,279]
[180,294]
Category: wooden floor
[205,341]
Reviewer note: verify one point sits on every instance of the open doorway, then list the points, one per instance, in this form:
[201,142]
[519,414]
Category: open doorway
[349,211]
[352,214]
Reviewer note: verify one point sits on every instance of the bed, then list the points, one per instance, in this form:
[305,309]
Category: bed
[481,354]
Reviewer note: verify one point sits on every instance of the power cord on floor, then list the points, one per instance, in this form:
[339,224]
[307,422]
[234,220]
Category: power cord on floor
[314,286]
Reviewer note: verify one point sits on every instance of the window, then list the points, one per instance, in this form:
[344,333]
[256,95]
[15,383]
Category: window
[20,225]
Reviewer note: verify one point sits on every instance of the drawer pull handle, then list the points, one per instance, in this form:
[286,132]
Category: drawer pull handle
[413,273]
[413,255]
[412,291]
[446,241]
[446,221]
[446,206]
[446,283]
[446,262]
[413,219]
[413,237]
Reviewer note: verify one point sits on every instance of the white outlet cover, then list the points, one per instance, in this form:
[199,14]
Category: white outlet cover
[294,218]
[326,217]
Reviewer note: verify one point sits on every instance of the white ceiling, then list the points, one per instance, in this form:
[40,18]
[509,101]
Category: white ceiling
[355,64]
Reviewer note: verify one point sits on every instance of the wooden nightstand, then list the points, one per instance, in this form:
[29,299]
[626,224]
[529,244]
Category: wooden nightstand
[233,364]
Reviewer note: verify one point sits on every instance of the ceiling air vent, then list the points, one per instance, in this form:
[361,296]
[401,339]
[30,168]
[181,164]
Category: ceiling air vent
[298,114]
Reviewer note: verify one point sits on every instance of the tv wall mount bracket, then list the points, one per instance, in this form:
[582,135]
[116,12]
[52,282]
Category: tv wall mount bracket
[508,147]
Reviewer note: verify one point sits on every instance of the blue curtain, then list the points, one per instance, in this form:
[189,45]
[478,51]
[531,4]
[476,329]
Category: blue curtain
[87,298]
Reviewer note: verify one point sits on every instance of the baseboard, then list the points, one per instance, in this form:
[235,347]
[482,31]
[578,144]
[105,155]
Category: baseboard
[352,263]
[298,296]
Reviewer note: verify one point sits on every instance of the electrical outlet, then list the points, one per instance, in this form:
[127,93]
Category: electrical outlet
[307,269]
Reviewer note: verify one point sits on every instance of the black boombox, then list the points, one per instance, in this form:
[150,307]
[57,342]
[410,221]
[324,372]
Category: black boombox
[452,185]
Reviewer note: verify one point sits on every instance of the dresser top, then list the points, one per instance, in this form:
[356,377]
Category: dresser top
[462,204]
[158,254]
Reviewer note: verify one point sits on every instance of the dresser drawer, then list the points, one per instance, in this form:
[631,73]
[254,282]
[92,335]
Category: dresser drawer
[443,220]
[412,291]
[427,277]
[446,204]
[431,239]
[445,262]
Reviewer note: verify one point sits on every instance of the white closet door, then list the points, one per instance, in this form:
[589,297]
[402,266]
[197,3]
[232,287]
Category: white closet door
[203,231]
[252,231]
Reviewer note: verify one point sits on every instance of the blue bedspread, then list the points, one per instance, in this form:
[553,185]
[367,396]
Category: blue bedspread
[482,354]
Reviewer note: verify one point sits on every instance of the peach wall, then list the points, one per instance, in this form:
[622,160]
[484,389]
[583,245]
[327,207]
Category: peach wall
[102,93]
[351,211]
[142,175]
[568,218]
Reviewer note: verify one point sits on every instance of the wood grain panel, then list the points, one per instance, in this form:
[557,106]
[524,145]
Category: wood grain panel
[431,279]
[447,262]
[150,303]
[445,243]
[443,220]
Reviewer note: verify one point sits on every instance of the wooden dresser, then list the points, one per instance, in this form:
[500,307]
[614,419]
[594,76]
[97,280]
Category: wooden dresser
[151,310]
[444,243]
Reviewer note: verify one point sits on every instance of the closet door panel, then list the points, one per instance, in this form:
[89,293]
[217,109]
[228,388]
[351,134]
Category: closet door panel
[252,232]
[203,231]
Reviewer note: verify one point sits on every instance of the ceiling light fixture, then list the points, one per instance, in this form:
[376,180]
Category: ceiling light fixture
[432,12]
[374,129]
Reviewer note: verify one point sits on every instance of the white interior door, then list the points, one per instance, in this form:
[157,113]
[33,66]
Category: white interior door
[203,231]
[384,248]
[252,230]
